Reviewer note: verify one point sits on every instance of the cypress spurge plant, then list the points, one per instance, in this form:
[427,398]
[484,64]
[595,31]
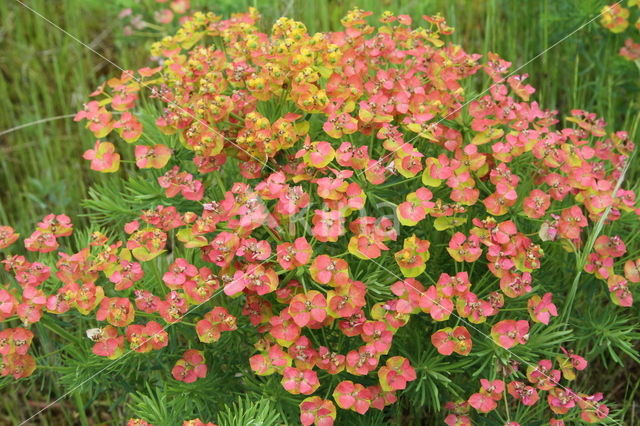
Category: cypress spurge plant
[374,229]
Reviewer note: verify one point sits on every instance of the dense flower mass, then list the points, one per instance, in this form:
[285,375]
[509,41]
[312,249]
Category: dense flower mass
[348,152]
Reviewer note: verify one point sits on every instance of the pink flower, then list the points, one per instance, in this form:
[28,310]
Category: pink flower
[508,333]
[318,154]
[329,271]
[310,307]
[179,272]
[293,255]
[107,342]
[214,323]
[352,396]
[41,242]
[525,394]
[156,156]
[542,309]
[7,236]
[449,340]
[536,204]
[570,223]
[328,226]
[190,367]
[297,381]
[317,411]
[632,270]
[482,403]
[104,157]
[436,304]
[117,311]
[464,249]
[396,373]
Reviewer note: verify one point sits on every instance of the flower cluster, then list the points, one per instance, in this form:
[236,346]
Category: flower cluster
[136,19]
[541,378]
[617,18]
[321,135]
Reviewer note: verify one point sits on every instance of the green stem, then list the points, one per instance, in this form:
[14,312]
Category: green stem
[582,259]
[506,404]
[77,398]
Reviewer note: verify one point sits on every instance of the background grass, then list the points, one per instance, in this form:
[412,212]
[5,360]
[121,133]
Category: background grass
[45,74]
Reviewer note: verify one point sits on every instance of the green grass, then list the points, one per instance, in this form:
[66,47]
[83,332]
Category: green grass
[46,74]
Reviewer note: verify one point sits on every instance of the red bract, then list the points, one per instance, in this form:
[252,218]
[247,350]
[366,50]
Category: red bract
[108,342]
[103,157]
[464,249]
[179,272]
[328,226]
[482,402]
[41,242]
[155,156]
[293,255]
[542,309]
[317,411]
[329,271]
[449,340]
[7,236]
[117,311]
[570,223]
[148,337]
[352,396]
[297,381]
[126,274]
[395,374]
[508,333]
[308,307]
[190,367]
[214,323]
[526,394]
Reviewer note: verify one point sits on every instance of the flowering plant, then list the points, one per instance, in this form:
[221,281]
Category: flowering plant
[346,197]
[617,19]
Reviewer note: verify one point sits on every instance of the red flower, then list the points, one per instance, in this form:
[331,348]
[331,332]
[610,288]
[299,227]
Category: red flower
[117,311]
[329,271]
[214,323]
[482,403]
[536,204]
[396,374]
[7,236]
[104,157]
[508,333]
[190,367]
[525,394]
[317,411]
[464,249]
[296,381]
[156,156]
[328,226]
[542,309]
[308,307]
[108,342]
[570,223]
[449,340]
[293,255]
[352,396]
[179,272]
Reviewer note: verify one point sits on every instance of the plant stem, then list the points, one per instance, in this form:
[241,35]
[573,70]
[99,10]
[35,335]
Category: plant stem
[582,259]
